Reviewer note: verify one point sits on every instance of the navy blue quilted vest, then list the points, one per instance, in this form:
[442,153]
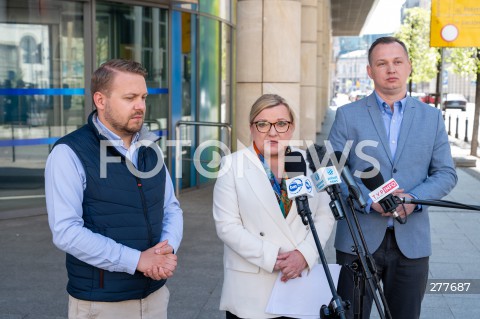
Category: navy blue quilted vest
[122,207]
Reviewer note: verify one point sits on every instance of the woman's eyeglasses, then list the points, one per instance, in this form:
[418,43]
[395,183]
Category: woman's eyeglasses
[280,126]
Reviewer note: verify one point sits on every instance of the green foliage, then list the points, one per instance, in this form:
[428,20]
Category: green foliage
[415,33]
[463,60]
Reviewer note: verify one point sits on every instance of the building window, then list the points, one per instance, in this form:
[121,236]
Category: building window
[31,52]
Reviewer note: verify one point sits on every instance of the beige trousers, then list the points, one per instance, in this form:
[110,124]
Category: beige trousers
[153,307]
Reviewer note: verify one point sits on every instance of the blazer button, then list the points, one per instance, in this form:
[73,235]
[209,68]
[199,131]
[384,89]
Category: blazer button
[394,170]
[262,234]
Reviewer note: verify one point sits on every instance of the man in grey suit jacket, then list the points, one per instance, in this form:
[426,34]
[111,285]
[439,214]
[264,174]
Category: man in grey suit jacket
[406,140]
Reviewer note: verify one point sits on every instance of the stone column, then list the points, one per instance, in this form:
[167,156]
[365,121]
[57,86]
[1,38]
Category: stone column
[268,57]
[308,84]
[324,53]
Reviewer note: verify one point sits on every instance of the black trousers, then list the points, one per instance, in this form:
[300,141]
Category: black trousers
[404,280]
[232,316]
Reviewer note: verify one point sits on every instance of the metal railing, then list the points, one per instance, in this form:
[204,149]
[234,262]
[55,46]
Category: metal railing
[178,150]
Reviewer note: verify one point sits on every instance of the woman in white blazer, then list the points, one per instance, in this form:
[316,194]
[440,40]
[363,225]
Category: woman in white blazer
[260,227]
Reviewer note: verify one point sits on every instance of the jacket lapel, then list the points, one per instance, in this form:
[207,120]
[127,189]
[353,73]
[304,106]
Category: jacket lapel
[292,214]
[262,189]
[376,117]
[408,116]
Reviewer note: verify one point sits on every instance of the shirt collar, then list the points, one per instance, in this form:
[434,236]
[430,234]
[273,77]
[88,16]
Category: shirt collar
[385,107]
[109,134]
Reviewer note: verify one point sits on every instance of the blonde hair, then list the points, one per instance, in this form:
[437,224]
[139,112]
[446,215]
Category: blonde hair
[267,101]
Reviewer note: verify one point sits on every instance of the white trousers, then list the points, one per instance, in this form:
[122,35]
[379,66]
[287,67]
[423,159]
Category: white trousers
[153,307]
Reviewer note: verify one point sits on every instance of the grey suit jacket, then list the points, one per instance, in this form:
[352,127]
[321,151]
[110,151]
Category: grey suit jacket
[423,166]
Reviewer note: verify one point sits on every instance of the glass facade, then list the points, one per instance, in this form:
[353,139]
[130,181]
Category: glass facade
[206,90]
[42,77]
[49,49]
[141,34]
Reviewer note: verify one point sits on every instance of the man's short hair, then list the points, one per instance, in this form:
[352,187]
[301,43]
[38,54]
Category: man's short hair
[385,40]
[103,77]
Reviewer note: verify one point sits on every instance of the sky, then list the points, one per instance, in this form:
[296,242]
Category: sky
[385,18]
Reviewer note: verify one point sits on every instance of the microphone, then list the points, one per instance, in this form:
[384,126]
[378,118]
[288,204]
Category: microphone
[348,179]
[299,186]
[317,158]
[326,178]
[381,192]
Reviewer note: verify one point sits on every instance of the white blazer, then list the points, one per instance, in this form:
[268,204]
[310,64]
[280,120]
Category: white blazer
[249,221]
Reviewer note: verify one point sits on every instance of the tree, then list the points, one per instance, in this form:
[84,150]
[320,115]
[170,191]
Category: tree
[426,60]
[467,61]
[474,146]
[415,33]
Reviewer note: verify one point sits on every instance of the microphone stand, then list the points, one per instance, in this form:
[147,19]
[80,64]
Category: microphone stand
[438,203]
[336,307]
[364,270]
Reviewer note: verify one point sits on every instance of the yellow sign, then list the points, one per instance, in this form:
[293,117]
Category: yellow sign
[186,32]
[455,23]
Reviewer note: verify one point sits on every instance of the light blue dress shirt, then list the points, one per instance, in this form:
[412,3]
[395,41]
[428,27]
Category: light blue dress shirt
[65,182]
[392,121]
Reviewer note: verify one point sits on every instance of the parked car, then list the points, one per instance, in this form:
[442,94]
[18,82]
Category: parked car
[416,95]
[429,98]
[357,95]
[454,101]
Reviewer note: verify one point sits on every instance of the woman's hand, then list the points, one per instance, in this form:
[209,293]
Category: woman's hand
[291,264]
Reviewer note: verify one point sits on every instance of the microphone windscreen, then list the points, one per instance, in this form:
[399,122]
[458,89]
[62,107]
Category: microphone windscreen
[339,156]
[315,154]
[348,179]
[372,182]
[295,164]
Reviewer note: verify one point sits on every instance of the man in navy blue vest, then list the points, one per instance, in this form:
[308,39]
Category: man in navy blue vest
[111,205]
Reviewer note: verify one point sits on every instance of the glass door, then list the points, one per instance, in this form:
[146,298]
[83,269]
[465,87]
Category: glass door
[141,34]
[41,78]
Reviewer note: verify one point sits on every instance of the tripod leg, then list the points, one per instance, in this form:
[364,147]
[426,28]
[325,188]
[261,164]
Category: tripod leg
[358,293]
[346,286]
